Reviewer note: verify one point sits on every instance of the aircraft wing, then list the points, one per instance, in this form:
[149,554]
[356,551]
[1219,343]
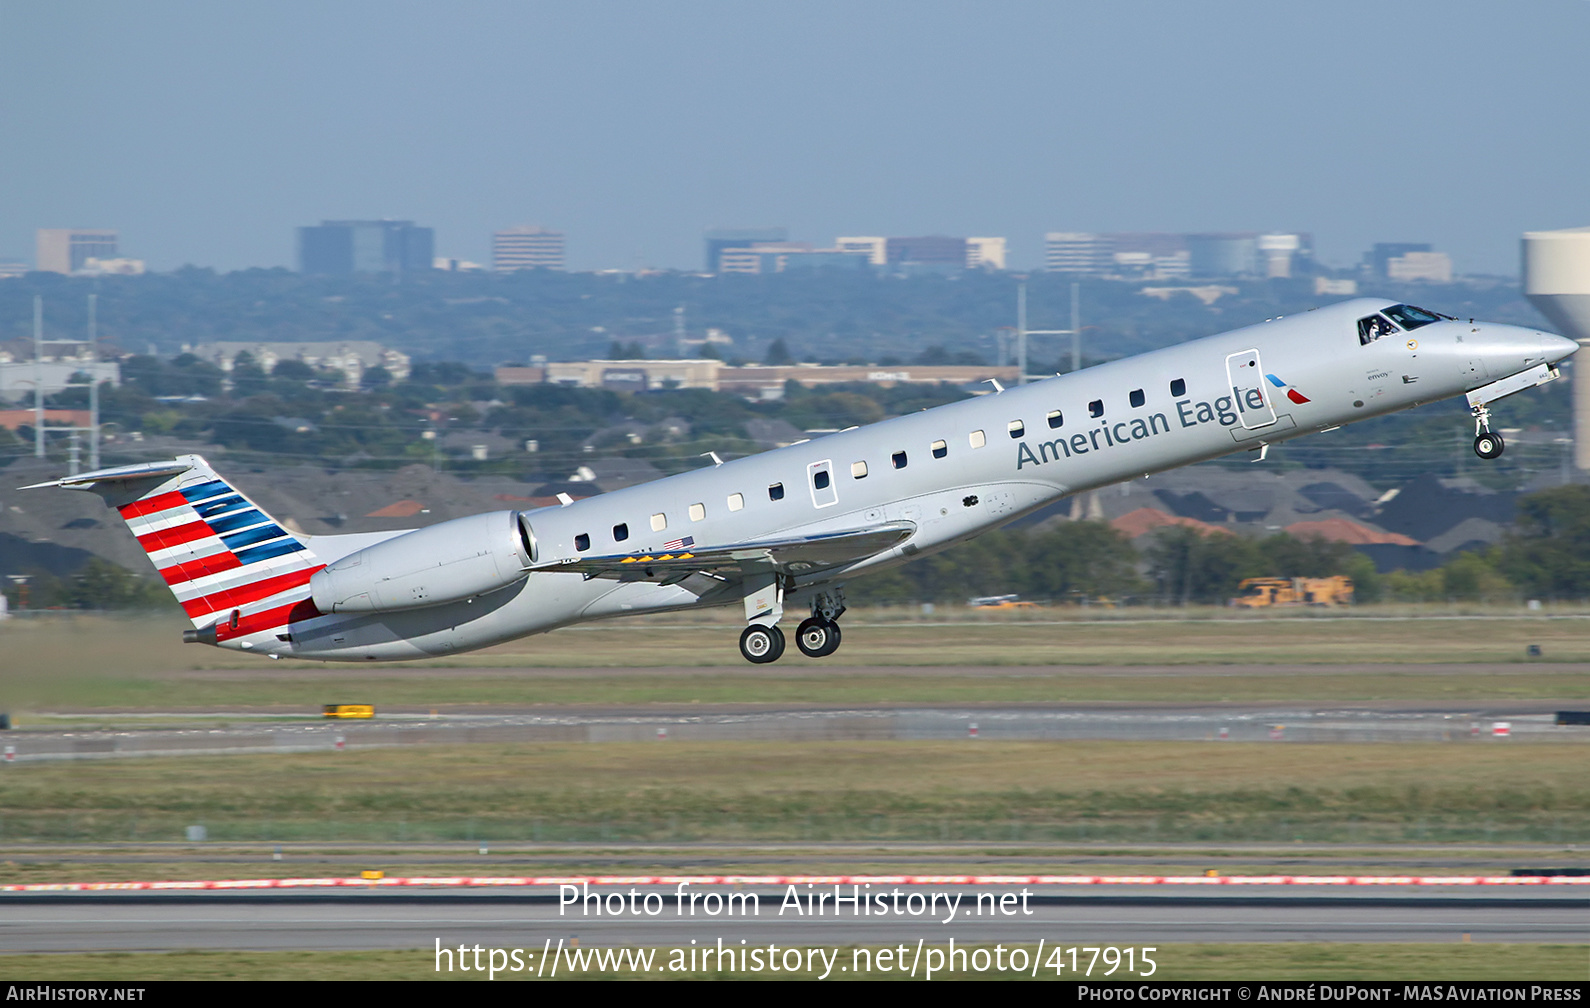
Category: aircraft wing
[795,555]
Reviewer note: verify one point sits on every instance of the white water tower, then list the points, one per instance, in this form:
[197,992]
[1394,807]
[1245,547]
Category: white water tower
[1557,283]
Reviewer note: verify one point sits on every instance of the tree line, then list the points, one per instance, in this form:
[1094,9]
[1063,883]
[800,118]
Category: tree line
[1546,556]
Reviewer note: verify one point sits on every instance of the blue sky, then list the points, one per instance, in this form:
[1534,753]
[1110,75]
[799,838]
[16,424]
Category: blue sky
[207,132]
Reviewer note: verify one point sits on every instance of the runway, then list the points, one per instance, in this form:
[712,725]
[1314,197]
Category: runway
[504,919]
[242,732]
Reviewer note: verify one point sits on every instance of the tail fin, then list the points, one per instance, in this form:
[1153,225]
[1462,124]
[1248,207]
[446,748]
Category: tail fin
[231,566]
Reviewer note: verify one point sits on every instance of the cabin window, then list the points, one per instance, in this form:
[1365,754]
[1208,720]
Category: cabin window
[1178,387]
[698,512]
[1137,398]
[620,531]
[899,460]
[582,542]
[775,491]
[736,502]
[977,439]
[1017,428]
[1054,418]
[659,522]
[858,470]
[820,479]
[1096,408]
[940,449]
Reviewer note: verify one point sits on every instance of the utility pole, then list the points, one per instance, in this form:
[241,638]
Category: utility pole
[1022,332]
[93,385]
[75,432]
[38,375]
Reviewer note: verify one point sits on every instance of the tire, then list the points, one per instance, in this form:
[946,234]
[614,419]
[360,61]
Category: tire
[817,638]
[1489,445]
[761,644]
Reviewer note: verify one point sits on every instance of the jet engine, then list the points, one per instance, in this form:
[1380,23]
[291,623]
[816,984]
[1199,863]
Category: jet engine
[448,562]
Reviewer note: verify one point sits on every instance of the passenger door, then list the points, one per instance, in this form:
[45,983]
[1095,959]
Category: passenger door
[1246,376]
[820,480]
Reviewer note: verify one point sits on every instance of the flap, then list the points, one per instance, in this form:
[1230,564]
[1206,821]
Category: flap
[796,555]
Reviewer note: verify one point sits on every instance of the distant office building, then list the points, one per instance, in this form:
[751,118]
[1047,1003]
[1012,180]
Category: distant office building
[1378,258]
[1076,252]
[112,267]
[1151,255]
[526,248]
[774,257]
[875,248]
[985,253]
[721,239]
[1163,255]
[386,246]
[65,250]
[12,268]
[928,250]
[352,358]
[1425,267]
[1223,255]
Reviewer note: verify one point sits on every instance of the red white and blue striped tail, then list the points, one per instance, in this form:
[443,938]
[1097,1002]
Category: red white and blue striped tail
[231,566]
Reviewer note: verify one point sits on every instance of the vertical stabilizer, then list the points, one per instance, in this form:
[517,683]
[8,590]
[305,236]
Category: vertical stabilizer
[231,566]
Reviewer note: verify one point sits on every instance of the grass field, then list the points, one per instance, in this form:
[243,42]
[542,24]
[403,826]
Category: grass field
[1299,961]
[817,791]
[100,662]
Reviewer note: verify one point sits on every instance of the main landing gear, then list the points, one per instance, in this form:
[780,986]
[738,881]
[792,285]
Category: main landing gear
[817,636]
[762,644]
[1487,443]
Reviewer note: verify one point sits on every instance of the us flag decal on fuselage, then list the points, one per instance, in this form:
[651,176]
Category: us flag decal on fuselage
[674,544]
[228,563]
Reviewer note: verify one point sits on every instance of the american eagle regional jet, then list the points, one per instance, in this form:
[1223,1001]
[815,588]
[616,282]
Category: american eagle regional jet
[790,527]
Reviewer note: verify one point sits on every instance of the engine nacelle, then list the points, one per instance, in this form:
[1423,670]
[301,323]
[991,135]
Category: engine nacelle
[448,562]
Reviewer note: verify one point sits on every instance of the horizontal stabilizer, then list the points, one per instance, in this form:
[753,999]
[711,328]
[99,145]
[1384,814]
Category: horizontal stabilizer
[143,470]
[796,555]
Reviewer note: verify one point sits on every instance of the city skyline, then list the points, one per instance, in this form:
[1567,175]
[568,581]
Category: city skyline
[627,131]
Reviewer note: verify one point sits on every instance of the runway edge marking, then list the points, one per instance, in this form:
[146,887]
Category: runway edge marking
[465,881]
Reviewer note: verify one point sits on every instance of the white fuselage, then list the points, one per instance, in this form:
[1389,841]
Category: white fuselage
[960,469]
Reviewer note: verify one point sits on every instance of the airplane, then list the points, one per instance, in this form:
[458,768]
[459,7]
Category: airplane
[789,527]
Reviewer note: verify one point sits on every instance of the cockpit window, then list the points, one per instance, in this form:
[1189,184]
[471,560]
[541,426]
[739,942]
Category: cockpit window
[1409,317]
[1373,327]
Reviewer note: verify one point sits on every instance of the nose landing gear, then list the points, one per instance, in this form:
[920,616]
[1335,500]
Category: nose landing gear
[1487,443]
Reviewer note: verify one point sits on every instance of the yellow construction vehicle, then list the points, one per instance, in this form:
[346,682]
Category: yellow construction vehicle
[1254,593]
